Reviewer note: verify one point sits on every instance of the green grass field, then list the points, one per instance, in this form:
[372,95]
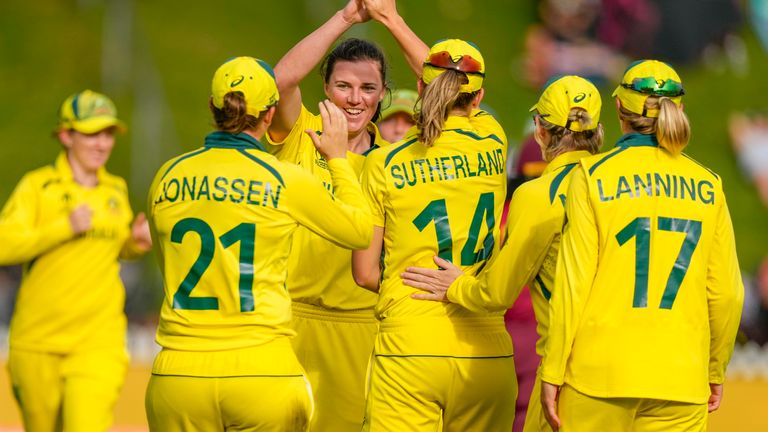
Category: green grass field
[156,59]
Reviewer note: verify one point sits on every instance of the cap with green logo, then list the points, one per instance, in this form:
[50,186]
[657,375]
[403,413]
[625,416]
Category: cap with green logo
[645,78]
[89,112]
[250,76]
[562,94]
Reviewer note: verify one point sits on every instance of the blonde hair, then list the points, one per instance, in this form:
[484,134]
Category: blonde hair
[672,128]
[564,140]
[437,99]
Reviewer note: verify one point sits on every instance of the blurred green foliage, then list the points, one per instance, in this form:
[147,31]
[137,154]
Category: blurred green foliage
[156,59]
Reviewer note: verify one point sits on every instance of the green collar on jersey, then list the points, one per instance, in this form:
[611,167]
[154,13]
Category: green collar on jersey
[229,140]
[635,139]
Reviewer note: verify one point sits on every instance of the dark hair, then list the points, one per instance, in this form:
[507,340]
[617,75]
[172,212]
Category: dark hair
[437,99]
[233,116]
[353,50]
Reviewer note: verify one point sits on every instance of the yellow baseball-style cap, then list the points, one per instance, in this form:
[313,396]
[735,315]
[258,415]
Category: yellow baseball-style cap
[458,55]
[252,77]
[645,78]
[403,100]
[89,112]
[562,94]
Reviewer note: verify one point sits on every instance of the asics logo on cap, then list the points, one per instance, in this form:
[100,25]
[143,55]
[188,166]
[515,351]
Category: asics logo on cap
[237,81]
[580,97]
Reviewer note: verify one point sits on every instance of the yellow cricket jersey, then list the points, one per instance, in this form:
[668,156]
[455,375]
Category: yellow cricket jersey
[648,293]
[71,297]
[442,200]
[319,272]
[223,217]
[529,255]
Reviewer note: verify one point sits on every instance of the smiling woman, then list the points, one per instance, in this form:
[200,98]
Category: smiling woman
[332,316]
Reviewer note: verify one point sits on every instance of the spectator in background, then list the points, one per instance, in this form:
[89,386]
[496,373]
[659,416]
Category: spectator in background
[706,23]
[758,15]
[749,137]
[653,28]
[754,323]
[397,118]
[628,25]
[563,44]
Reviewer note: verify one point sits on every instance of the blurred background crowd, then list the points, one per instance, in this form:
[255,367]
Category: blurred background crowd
[154,59]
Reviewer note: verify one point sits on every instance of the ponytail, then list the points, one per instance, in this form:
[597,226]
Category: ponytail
[437,99]
[564,140]
[233,117]
[672,129]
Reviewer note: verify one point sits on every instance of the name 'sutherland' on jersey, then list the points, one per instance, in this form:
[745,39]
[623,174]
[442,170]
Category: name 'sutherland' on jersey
[444,168]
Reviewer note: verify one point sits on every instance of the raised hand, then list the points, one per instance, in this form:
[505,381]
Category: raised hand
[80,219]
[355,12]
[381,10]
[333,142]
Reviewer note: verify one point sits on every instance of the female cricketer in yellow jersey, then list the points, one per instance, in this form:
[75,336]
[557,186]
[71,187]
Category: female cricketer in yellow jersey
[68,224]
[439,191]
[333,318]
[648,293]
[567,128]
[224,217]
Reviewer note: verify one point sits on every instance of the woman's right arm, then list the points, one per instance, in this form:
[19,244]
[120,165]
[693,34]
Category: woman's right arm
[576,269]
[414,49]
[725,297]
[301,59]
[21,238]
[499,284]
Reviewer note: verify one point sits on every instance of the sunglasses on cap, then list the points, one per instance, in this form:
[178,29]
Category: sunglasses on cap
[466,63]
[652,86]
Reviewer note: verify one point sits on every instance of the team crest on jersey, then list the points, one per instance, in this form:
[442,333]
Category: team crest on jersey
[320,160]
[113,204]
[66,199]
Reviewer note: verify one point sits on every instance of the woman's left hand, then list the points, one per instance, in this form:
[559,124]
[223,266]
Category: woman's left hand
[381,10]
[549,396]
[355,12]
[140,233]
[434,281]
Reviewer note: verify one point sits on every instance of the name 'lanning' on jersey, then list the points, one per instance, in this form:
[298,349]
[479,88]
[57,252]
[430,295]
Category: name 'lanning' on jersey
[667,280]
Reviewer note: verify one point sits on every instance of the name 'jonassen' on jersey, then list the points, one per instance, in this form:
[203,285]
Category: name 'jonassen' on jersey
[656,184]
[444,168]
[237,190]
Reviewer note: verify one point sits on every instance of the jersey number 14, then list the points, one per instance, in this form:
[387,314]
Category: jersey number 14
[436,211]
